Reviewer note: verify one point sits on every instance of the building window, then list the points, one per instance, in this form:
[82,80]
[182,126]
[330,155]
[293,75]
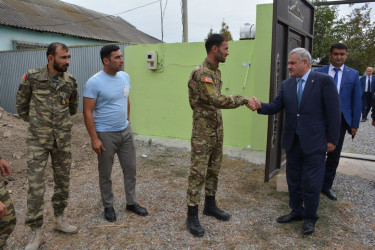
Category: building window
[21,45]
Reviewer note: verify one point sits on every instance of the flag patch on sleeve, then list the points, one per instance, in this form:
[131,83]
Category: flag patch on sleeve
[208,79]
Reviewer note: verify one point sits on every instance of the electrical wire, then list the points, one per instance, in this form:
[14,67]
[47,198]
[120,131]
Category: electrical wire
[162,12]
[165,8]
[92,19]
[248,65]
[161,21]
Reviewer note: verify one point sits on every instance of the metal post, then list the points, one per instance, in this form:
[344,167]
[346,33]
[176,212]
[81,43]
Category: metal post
[184,21]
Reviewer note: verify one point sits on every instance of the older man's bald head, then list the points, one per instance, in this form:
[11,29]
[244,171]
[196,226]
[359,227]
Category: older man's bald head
[369,71]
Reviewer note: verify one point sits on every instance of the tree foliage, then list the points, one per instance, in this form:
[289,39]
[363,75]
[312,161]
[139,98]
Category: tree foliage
[355,30]
[209,33]
[323,32]
[223,31]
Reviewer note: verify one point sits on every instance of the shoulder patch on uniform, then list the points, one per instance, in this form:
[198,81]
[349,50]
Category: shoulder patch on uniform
[24,77]
[208,80]
[198,67]
[32,71]
[71,76]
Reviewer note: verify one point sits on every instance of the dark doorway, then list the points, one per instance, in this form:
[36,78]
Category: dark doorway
[293,26]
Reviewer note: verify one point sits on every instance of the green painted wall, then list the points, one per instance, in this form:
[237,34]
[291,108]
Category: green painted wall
[159,99]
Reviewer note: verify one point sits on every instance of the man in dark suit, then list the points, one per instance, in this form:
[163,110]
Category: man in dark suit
[368,89]
[312,120]
[349,88]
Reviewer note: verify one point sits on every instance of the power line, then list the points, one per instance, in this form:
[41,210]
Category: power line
[341,2]
[165,8]
[162,18]
[111,15]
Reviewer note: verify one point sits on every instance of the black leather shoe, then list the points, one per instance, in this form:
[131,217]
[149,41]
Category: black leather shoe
[330,194]
[288,218]
[363,120]
[109,214]
[137,209]
[308,227]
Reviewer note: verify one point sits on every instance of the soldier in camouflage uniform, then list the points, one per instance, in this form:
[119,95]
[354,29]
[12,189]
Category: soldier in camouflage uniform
[7,212]
[206,101]
[46,99]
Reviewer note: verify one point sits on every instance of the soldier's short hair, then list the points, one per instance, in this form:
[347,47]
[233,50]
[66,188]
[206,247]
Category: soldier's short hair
[51,50]
[338,46]
[106,51]
[214,40]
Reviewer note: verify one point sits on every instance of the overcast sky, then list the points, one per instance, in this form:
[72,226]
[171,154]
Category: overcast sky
[202,15]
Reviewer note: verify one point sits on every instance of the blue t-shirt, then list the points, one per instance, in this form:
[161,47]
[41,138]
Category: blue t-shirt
[111,94]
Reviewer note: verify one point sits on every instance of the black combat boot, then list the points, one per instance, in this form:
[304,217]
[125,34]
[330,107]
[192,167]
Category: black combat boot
[192,222]
[211,209]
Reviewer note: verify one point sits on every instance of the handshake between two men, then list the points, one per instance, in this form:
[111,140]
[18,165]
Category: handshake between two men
[254,104]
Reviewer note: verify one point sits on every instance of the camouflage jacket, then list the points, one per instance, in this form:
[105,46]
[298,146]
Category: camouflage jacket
[205,95]
[47,103]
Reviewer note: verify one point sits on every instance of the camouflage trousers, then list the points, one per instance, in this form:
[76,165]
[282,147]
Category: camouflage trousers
[206,158]
[7,223]
[38,151]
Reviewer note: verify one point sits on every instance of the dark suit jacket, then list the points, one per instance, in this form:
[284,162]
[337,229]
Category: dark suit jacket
[318,116]
[350,95]
[363,83]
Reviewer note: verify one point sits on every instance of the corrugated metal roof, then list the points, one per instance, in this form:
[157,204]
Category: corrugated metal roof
[63,18]
[84,63]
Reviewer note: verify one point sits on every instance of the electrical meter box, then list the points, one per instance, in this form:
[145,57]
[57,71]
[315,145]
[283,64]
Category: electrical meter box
[152,60]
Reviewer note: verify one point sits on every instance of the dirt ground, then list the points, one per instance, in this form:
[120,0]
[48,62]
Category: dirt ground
[161,188]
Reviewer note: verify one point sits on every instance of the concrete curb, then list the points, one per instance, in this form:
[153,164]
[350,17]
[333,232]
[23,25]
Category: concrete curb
[253,156]
[358,156]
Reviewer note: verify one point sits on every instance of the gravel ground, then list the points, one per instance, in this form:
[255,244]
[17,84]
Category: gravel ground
[354,189]
[162,180]
[359,195]
[363,142]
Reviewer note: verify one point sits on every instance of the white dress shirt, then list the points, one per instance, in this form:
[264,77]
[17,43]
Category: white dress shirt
[332,73]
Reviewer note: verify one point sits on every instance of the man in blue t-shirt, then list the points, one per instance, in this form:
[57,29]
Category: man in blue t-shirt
[106,109]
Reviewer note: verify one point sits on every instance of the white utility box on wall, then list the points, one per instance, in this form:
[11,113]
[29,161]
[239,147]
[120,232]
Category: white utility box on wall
[152,59]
